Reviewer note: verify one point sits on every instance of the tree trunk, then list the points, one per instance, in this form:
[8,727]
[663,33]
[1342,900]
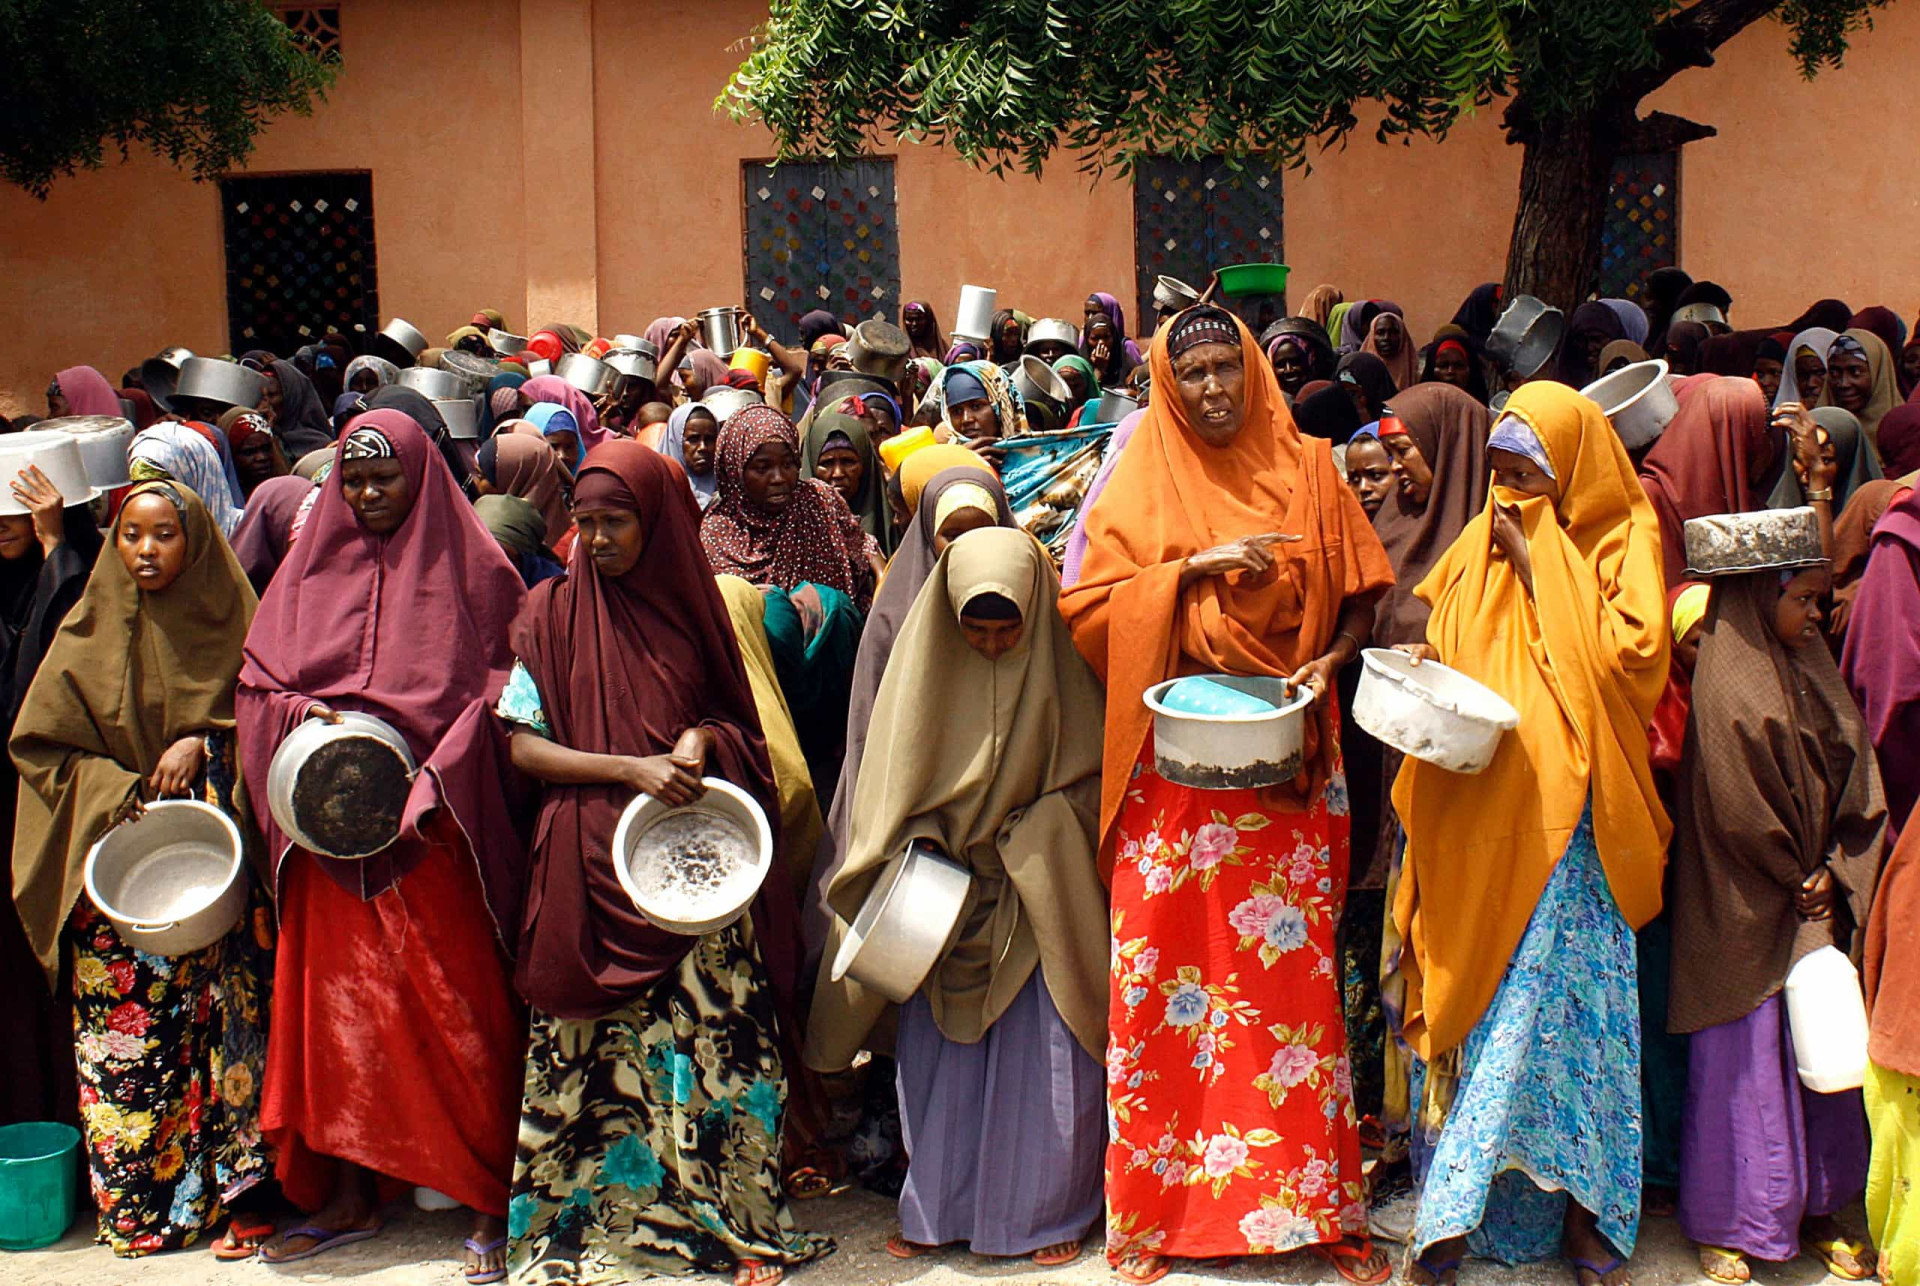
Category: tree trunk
[1564,178]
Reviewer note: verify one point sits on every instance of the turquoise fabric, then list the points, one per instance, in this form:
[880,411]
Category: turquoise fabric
[520,703]
[1549,1098]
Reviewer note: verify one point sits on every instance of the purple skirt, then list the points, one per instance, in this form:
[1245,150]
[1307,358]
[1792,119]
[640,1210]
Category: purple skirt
[1759,1152]
[1005,1138]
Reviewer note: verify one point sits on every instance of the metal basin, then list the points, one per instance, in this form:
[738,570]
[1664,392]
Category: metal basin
[55,454]
[471,367]
[212,380]
[1527,335]
[1767,540]
[173,881]
[462,418]
[434,385]
[695,869]
[904,926]
[725,401]
[400,342]
[1638,400]
[588,374]
[103,441]
[307,772]
[506,343]
[1231,751]
[1053,330]
[1172,295]
[1115,405]
[160,374]
[1430,711]
[633,362]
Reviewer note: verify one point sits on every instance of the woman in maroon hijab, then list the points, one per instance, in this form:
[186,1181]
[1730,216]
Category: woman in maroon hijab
[650,1134]
[395,1049]
[1714,458]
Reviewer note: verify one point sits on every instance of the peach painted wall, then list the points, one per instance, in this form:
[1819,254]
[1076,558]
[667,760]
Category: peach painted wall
[564,159]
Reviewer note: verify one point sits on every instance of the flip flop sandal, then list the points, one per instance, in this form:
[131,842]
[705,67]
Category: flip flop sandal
[243,1238]
[1135,1277]
[1827,1250]
[1718,1263]
[1348,1257]
[1599,1271]
[807,1183]
[1058,1258]
[324,1239]
[900,1248]
[480,1277]
[752,1270]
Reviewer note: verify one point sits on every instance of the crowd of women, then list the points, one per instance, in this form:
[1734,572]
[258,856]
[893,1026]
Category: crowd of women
[1195,1023]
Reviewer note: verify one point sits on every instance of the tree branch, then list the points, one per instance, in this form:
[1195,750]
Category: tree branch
[1689,38]
[1662,132]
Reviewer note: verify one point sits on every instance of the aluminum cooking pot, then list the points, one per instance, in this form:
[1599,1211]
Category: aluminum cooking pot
[435,385]
[725,811]
[720,330]
[973,319]
[55,454]
[283,772]
[212,380]
[172,880]
[1638,400]
[160,374]
[1231,751]
[1527,335]
[462,418]
[1767,540]
[103,442]
[1172,295]
[400,342]
[1052,329]
[471,367]
[905,924]
[1038,382]
[506,343]
[1431,712]
[1116,404]
[588,374]
[631,361]
[724,401]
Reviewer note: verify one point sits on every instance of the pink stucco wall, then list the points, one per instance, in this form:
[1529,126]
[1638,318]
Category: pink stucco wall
[564,160]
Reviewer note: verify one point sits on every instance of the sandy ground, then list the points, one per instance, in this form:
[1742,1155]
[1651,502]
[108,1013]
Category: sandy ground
[423,1250]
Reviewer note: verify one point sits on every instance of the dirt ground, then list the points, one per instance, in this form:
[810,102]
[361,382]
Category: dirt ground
[423,1250]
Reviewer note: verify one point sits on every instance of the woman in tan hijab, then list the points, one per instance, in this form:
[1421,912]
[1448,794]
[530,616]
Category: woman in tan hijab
[134,702]
[998,1052]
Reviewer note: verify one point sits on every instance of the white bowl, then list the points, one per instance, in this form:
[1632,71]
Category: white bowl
[104,441]
[662,892]
[1231,751]
[1431,712]
[903,927]
[56,454]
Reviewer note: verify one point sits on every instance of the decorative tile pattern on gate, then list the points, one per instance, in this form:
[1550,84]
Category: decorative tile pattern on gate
[1642,228]
[300,258]
[821,236]
[1192,217]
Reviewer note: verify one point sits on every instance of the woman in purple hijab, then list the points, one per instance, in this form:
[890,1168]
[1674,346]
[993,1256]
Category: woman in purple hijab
[1126,355]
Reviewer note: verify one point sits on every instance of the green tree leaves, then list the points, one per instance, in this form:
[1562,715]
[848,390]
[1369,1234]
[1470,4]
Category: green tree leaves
[194,80]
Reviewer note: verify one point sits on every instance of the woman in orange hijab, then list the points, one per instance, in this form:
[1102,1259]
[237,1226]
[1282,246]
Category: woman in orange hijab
[1240,551]
[1521,887]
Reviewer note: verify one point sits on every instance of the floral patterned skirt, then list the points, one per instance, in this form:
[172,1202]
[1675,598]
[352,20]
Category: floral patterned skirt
[1231,1127]
[171,1051]
[650,1138]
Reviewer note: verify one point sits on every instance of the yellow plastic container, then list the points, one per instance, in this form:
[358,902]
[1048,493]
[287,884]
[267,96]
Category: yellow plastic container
[753,361]
[898,448]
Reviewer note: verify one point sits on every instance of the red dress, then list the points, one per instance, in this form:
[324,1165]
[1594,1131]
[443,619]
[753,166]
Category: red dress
[1228,1088]
[397,1041]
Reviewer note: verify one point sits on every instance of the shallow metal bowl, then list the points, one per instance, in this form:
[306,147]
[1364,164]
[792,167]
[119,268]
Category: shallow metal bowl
[725,810]
[904,926]
[283,773]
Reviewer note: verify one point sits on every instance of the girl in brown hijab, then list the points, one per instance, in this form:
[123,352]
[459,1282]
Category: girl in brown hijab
[999,1050]
[134,703]
[650,1130]
[1778,837]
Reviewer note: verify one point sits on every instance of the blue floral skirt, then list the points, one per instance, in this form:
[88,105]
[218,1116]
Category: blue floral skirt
[1548,1105]
[650,1138]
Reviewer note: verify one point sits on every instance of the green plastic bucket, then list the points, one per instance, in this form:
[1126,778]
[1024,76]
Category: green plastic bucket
[1240,280]
[38,1175]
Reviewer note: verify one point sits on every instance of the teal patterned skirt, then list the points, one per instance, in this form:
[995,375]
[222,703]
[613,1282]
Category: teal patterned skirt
[650,1138]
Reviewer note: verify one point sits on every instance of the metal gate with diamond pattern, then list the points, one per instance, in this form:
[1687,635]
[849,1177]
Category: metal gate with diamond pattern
[1192,217]
[300,259]
[821,236]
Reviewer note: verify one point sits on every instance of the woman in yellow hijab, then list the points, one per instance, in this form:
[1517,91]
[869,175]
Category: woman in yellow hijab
[1521,888]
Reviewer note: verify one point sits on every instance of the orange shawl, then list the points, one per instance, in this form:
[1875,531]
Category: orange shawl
[1584,661]
[1171,496]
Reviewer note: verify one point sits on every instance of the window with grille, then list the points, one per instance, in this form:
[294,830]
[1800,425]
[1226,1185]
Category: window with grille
[1193,217]
[300,258]
[821,235]
[315,26]
[1642,228]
